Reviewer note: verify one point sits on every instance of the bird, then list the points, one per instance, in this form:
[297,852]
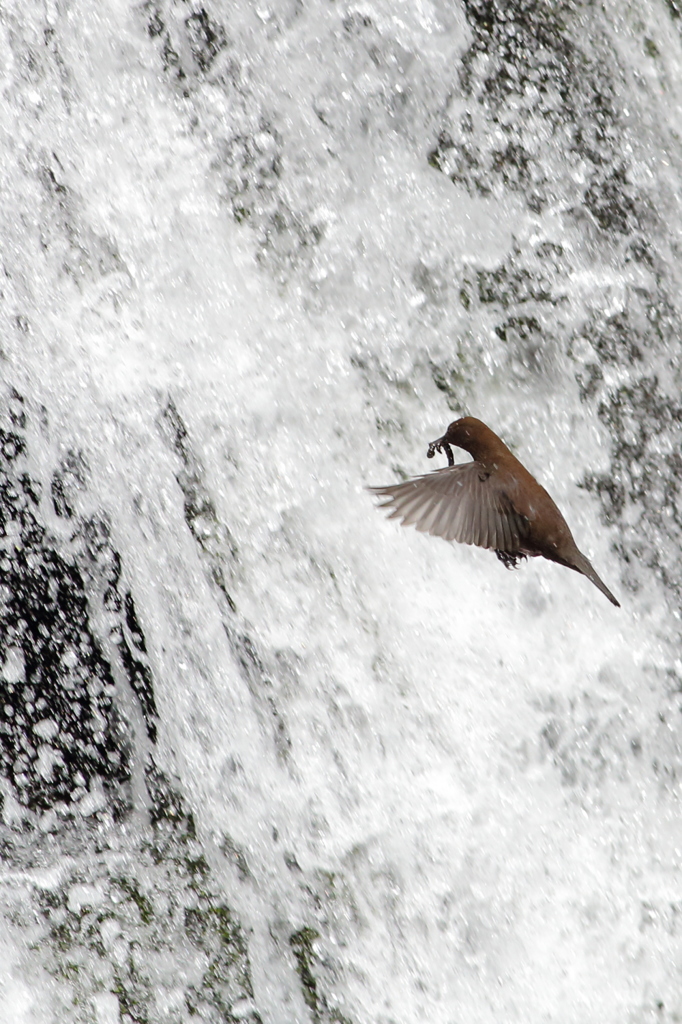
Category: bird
[492,502]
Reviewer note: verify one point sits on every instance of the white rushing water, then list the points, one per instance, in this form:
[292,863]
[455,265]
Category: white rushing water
[256,257]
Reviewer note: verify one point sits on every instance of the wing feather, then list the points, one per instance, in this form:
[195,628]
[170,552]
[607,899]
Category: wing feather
[458,527]
[430,515]
[462,503]
[405,506]
[468,528]
[482,516]
[435,512]
[441,522]
[413,513]
[506,535]
[451,528]
[493,528]
[477,507]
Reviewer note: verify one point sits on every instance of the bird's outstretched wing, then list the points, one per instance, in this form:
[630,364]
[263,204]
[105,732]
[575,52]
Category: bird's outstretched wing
[459,503]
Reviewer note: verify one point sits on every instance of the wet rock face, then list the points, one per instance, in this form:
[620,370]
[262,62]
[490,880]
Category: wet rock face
[60,732]
[69,753]
[140,926]
[530,99]
[535,117]
[65,735]
[537,112]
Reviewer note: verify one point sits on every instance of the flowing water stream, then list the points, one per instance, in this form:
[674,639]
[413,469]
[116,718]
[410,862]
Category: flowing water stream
[264,756]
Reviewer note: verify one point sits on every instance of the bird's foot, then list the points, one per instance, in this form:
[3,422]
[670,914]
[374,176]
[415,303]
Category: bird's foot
[509,560]
[440,445]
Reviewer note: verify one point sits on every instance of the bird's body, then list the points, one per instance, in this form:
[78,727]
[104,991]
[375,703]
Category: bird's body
[492,502]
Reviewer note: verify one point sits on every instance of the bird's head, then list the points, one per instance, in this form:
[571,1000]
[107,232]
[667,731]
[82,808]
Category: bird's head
[473,436]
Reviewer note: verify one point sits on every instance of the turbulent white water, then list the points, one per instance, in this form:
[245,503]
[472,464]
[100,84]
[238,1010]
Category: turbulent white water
[268,756]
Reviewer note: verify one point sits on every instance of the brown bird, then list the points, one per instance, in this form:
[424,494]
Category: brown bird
[492,502]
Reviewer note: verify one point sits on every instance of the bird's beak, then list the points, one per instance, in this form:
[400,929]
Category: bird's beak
[440,445]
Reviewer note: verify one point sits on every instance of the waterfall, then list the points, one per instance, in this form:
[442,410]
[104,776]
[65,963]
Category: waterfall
[264,755]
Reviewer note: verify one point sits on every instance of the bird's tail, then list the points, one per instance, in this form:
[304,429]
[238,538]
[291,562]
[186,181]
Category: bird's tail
[583,565]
